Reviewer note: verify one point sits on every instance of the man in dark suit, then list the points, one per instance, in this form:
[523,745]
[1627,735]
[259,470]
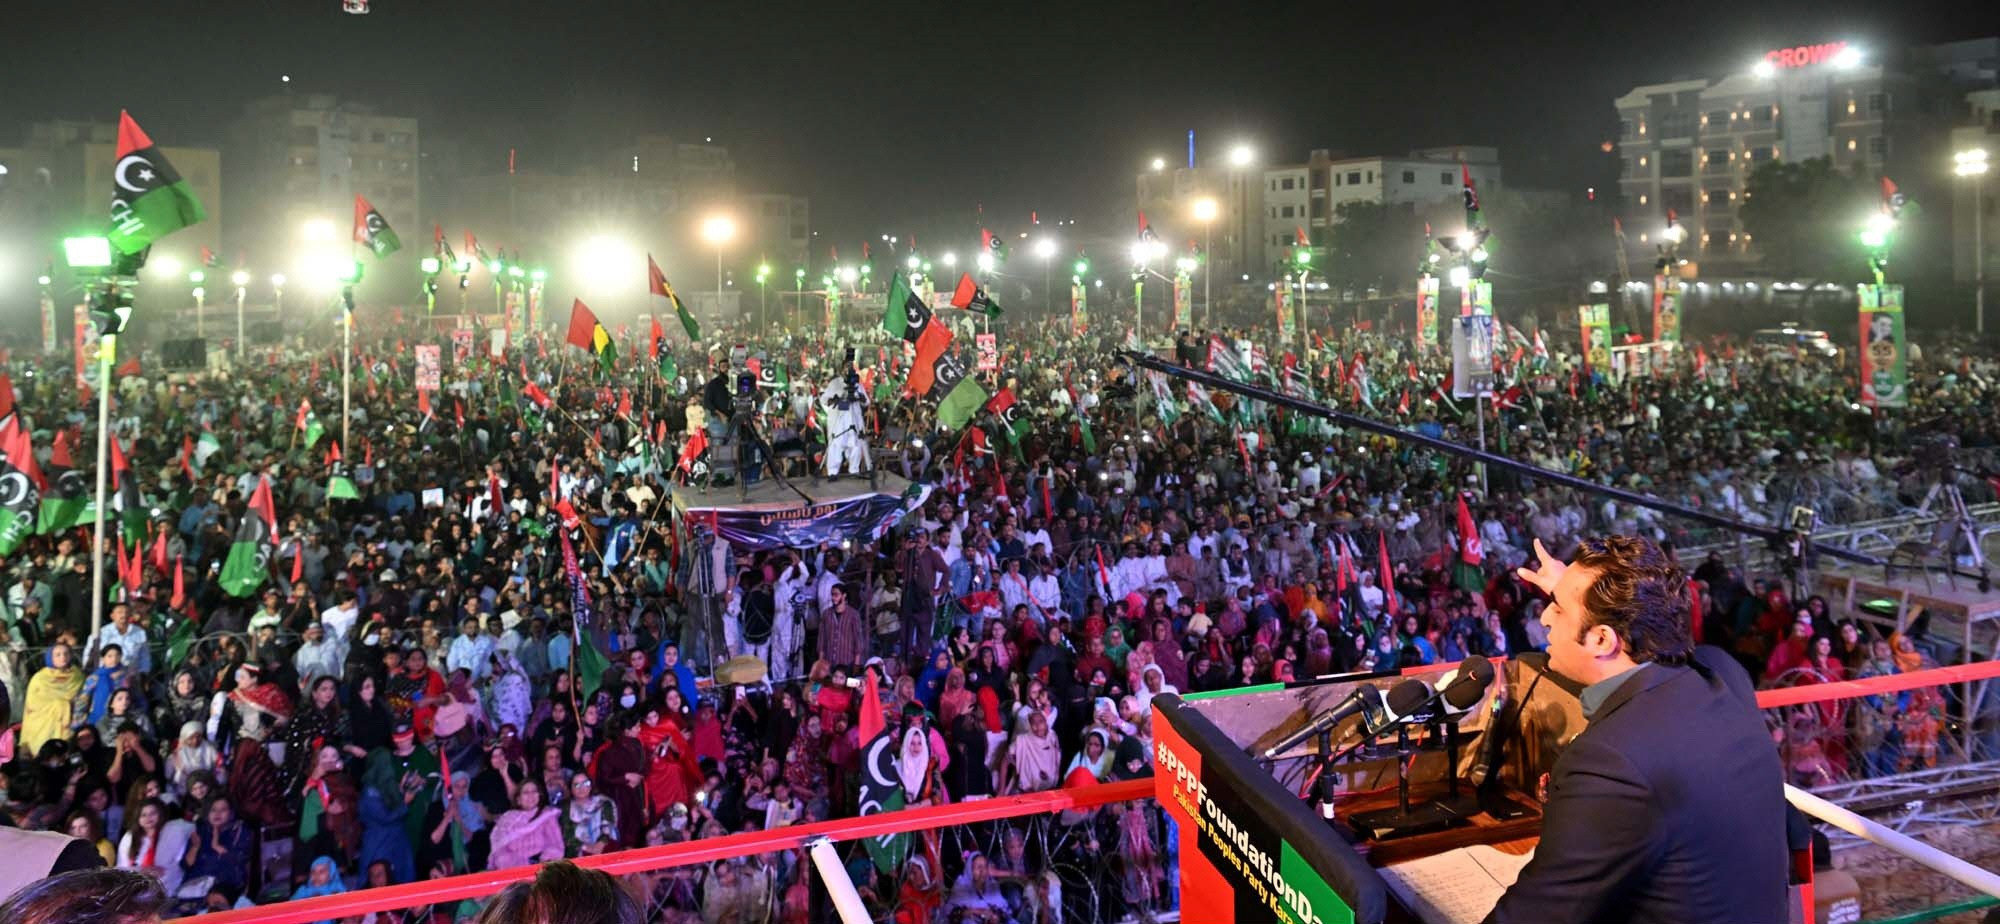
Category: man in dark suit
[1669,806]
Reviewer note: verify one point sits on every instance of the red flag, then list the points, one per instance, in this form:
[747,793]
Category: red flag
[160,550]
[187,454]
[555,481]
[1299,236]
[261,505]
[332,452]
[362,208]
[1340,567]
[61,448]
[180,584]
[534,392]
[1102,572]
[498,500]
[1382,579]
[367,452]
[424,402]
[458,410]
[696,445]
[624,403]
[1403,406]
[653,345]
[582,327]
[6,394]
[298,562]
[1470,550]
[870,724]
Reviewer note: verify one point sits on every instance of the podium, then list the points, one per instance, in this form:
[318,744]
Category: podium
[1252,849]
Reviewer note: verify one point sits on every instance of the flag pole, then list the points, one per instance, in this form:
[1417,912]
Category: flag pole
[106,346]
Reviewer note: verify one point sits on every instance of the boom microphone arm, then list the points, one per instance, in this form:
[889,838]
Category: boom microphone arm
[1211,380]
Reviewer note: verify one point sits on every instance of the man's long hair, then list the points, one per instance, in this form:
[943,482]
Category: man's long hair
[1640,594]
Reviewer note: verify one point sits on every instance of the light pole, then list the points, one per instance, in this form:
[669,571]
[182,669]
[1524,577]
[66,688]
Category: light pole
[1046,249]
[1241,157]
[718,230]
[1973,164]
[110,315]
[799,293]
[763,276]
[278,296]
[195,278]
[1205,210]
[242,281]
[1144,251]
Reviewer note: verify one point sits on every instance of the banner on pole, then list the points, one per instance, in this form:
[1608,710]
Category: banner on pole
[512,309]
[1472,356]
[461,346]
[1288,325]
[1183,301]
[989,352]
[496,343]
[1427,312]
[1885,350]
[832,309]
[86,346]
[1595,322]
[1476,298]
[429,367]
[48,324]
[1079,308]
[1667,308]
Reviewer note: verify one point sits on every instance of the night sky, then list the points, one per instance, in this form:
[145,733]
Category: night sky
[886,113]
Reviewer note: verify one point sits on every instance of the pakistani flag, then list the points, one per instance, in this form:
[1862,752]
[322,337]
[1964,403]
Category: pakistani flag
[662,293]
[1164,404]
[908,315]
[881,784]
[204,447]
[149,200]
[372,230]
[1006,407]
[249,562]
[20,496]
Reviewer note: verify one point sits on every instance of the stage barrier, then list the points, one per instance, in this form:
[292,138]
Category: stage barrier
[475,886]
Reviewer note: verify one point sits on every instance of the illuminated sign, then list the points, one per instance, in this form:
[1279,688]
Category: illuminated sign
[1804,55]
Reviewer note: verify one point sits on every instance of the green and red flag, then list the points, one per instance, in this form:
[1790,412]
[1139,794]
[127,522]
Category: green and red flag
[907,315]
[663,295]
[971,297]
[308,425]
[21,486]
[963,396]
[125,499]
[149,200]
[372,230]
[881,784]
[931,346]
[249,561]
[1006,407]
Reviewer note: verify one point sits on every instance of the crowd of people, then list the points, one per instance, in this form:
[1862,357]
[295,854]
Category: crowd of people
[417,687]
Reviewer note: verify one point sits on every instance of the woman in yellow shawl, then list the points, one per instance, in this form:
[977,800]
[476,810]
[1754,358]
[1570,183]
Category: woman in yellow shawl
[46,715]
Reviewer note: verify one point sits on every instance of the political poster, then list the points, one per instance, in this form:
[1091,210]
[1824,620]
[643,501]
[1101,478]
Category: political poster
[1183,301]
[1885,350]
[429,367]
[989,352]
[1079,308]
[1472,356]
[1288,324]
[1595,323]
[1667,308]
[1476,298]
[1427,313]
[461,346]
[496,343]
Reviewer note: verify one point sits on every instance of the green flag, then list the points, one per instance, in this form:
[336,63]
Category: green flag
[590,665]
[180,641]
[662,293]
[149,200]
[125,499]
[341,487]
[882,791]
[249,561]
[66,503]
[372,230]
[19,496]
[964,400]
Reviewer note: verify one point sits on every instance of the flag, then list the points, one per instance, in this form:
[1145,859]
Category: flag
[149,200]
[881,786]
[971,297]
[993,244]
[589,663]
[534,392]
[1225,361]
[446,258]
[907,315]
[371,230]
[586,331]
[1383,578]
[655,341]
[125,495]
[1471,195]
[308,423]
[1164,404]
[964,399]
[249,561]
[341,487]
[21,486]
[930,352]
[1469,548]
[1006,407]
[1146,232]
[65,493]
[663,295]
[692,452]
[1892,199]
[182,638]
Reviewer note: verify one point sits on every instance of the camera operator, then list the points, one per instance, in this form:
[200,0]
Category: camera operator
[717,400]
[845,403]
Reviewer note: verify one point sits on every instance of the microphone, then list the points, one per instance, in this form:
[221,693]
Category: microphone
[1462,687]
[1365,695]
[1404,702]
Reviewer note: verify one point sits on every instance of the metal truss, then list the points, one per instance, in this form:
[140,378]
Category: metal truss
[1920,800]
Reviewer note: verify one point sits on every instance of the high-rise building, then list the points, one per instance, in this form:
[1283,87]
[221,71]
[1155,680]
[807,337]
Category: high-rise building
[1690,146]
[57,183]
[1314,191]
[297,162]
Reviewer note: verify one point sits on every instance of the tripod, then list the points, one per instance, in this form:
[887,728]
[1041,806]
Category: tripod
[1962,527]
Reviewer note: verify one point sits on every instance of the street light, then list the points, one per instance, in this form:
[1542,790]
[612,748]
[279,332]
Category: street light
[1241,155]
[1046,249]
[87,252]
[718,230]
[1159,164]
[1973,164]
[242,281]
[318,230]
[985,261]
[950,259]
[196,278]
[1205,211]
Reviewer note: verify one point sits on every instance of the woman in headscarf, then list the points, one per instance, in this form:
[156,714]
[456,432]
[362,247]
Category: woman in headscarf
[323,880]
[186,702]
[531,832]
[619,767]
[1152,683]
[369,723]
[1142,657]
[329,823]
[384,804]
[192,754]
[916,769]
[930,684]
[956,699]
[1167,654]
[557,728]
[319,721]
[511,699]
[671,772]
[123,708]
[806,761]
[1034,758]
[1117,647]
[1921,715]
[967,775]
[52,691]
[1095,758]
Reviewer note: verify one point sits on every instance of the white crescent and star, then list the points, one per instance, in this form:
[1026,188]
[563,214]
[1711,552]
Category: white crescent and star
[120,176]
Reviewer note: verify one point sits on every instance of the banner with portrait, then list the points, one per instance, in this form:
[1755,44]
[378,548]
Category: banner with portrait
[1183,301]
[1595,322]
[1885,350]
[430,372]
[1476,298]
[1667,309]
[1472,356]
[1427,313]
[1079,308]
[1288,321]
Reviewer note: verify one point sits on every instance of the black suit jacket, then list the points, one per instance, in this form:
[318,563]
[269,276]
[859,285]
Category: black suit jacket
[1668,807]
